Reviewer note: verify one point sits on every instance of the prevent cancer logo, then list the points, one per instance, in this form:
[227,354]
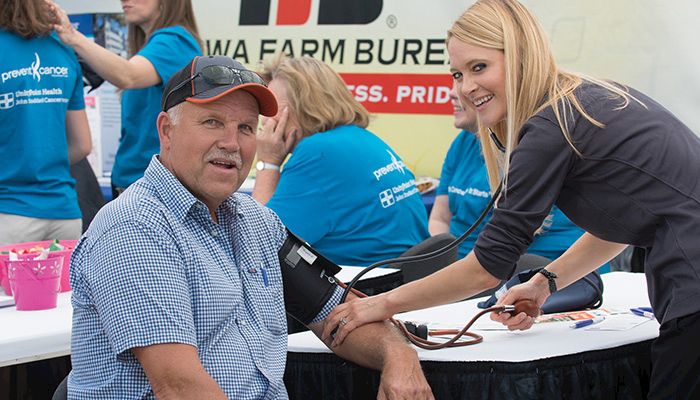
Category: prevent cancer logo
[36,71]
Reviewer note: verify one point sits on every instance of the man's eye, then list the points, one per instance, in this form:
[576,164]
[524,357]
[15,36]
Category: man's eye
[212,123]
[247,129]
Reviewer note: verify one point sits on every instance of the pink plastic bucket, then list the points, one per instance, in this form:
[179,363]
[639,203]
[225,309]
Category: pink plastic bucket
[35,283]
[69,245]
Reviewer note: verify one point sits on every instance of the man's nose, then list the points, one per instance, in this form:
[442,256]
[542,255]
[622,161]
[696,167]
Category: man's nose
[229,139]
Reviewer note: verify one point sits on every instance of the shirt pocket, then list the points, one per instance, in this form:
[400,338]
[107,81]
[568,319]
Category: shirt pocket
[270,297]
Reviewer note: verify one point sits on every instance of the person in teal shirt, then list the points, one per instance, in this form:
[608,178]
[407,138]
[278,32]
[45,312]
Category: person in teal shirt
[44,128]
[163,37]
[343,190]
[464,192]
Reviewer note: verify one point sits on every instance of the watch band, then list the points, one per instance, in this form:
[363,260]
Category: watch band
[550,279]
[261,165]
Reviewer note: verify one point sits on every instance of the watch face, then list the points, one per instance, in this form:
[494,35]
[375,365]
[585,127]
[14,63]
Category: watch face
[259,165]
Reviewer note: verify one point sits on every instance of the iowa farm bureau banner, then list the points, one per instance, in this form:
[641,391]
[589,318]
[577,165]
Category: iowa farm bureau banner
[350,35]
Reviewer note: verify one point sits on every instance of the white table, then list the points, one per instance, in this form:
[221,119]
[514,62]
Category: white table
[27,336]
[551,360]
[622,291]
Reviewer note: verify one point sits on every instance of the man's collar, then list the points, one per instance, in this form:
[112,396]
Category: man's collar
[175,195]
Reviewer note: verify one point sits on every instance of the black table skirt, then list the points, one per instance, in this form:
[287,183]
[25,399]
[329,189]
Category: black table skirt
[617,373]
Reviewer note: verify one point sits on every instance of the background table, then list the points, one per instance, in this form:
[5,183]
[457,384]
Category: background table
[548,361]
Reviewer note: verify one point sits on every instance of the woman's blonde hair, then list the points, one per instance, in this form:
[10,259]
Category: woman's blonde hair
[172,13]
[532,79]
[318,97]
[26,18]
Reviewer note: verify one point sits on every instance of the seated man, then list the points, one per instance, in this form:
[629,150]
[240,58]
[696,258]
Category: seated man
[343,190]
[178,290]
[464,192]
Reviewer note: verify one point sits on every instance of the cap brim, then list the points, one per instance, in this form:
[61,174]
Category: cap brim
[267,103]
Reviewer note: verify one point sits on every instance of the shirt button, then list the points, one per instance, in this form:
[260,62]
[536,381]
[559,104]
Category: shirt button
[241,322]
[214,233]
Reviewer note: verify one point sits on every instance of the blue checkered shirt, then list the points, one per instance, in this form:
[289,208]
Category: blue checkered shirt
[154,268]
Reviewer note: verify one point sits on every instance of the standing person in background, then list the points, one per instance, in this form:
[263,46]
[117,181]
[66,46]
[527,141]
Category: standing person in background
[163,37]
[344,190]
[464,192]
[615,161]
[43,127]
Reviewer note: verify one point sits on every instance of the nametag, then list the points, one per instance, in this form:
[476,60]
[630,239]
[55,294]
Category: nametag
[307,255]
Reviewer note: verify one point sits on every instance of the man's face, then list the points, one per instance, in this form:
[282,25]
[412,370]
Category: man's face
[210,147]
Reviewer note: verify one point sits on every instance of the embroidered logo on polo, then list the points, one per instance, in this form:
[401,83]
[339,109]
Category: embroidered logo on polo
[35,70]
[394,165]
[7,101]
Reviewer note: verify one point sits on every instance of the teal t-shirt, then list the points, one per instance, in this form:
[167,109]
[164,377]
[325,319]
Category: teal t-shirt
[40,80]
[349,195]
[465,182]
[168,49]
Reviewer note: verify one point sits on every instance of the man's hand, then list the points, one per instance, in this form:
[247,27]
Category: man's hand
[402,377]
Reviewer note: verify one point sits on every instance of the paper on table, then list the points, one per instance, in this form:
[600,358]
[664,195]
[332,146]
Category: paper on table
[620,322]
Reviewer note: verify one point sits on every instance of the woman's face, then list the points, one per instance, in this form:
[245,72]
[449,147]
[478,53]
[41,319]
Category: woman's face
[279,88]
[141,12]
[479,77]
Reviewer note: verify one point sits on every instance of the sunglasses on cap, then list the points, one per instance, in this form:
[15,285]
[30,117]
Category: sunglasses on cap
[220,75]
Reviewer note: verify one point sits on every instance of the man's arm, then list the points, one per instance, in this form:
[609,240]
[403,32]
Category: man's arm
[381,346]
[440,216]
[175,372]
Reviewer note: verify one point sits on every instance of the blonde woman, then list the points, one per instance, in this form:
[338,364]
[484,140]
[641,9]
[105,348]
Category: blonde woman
[613,160]
[343,190]
[162,38]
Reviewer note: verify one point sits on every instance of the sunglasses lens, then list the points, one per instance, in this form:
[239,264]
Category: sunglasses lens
[251,77]
[219,75]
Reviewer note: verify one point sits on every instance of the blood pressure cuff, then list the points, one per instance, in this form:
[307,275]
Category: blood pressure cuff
[307,277]
[587,292]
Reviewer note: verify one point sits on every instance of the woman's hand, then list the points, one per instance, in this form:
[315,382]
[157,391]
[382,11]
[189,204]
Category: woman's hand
[61,24]
[274,142]
[352,314]
[530,290]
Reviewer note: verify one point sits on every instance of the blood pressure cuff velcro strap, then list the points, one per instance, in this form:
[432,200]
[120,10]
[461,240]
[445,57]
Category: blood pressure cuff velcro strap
[586,292]
[307,278]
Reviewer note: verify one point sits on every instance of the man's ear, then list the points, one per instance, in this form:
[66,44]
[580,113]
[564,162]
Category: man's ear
[165,126]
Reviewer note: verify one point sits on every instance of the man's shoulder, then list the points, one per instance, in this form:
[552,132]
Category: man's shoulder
[138,205]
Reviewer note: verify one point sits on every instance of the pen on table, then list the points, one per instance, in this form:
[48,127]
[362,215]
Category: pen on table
[642,313]
[586,322]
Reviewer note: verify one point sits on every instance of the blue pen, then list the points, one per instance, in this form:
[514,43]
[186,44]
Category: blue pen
[645,309]
[586,322]
[266,280]
[642,313]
